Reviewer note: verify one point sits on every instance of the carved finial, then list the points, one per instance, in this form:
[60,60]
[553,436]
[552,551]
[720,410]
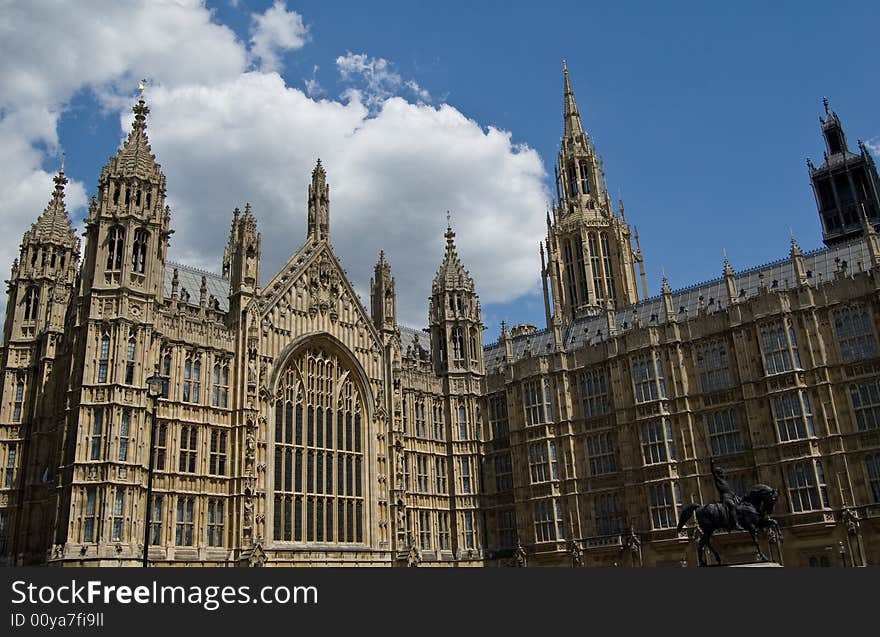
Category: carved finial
[826,105]
[564,66]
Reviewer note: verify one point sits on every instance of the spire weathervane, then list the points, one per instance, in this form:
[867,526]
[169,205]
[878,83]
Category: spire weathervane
[142,86]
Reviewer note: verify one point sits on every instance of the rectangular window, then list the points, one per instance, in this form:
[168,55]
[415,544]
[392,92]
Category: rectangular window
[104,357]
[872,465]
[498,422]
[469,532]
[664,500]
[779,344]
[794,418]
[465,465]
[537,402]
[422,476]
[220,390]
[11,454]
[713,366]
[503,473]
[19,401]
[130,351]
[866,404]
[443,530]
[188,449]
[548,520]
[217,459]
[657,443]
[594,393]
[609,514]
[425,530]
[440,475]
[124,434]
[156,520]
[97,438]
[161,446]
[539,461]
[724,434]
[806,486]
[91,506]
[185,521]
[600,453]
[647,376]
[215,522]
[421,419]
[118,515]
[507,535]
[855,333]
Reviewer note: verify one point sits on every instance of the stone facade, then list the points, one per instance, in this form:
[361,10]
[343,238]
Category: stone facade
[297,428]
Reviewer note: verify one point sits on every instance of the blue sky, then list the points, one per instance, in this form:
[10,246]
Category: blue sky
[704,112]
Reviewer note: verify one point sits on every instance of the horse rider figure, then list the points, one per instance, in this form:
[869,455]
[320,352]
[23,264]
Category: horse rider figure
[729,498]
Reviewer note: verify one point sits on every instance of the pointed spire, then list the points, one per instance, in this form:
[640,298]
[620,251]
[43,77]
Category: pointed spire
[136,158]
[319,204]
[54,225]
[795,249]
[573,125]
[450,235]
[729,280]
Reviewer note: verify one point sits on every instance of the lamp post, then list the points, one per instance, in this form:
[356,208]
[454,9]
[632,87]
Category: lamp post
[154,390]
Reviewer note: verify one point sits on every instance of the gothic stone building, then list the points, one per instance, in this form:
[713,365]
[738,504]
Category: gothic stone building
[295,427]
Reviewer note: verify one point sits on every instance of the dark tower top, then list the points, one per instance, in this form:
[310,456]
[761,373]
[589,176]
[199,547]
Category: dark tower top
[846,185]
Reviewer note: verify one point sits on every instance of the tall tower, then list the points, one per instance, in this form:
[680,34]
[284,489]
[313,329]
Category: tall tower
[845,185]
[590,257]
[42,282]
[115,338]
[456,326]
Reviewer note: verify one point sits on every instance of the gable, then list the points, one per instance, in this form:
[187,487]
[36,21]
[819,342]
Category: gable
[311,293]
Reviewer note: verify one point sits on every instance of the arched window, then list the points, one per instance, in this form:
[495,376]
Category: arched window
[166,373]
[104,357]
[220,392]
[585,178]
[596,266]
[115,248]
[319,452]
[139,251]
[192,377]
[130,350]
[31,304]
[609,272]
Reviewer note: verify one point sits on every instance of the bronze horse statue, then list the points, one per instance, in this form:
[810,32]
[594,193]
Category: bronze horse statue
[752,512]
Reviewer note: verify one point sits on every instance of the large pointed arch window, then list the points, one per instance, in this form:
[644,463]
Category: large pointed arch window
[115,248]
[31,304]
[319,452]
[139,250]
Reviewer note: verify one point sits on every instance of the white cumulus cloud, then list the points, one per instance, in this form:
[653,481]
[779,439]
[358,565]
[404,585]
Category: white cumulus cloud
[226,135]
[374,79]
[275,31]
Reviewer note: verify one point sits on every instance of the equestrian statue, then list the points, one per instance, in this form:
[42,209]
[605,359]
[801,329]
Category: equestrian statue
[733,513]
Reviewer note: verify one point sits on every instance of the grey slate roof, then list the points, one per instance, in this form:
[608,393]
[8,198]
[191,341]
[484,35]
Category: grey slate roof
[190,278]
[821,265]
[424,339]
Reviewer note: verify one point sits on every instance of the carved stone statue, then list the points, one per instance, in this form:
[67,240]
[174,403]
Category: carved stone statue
[750,513]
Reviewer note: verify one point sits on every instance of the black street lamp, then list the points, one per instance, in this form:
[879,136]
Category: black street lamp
[155,384]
